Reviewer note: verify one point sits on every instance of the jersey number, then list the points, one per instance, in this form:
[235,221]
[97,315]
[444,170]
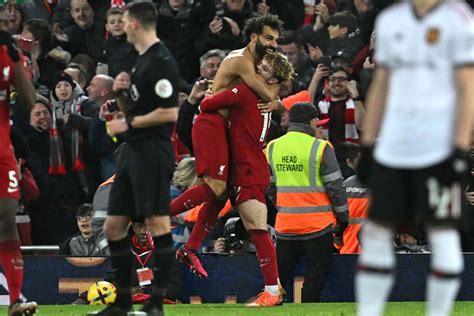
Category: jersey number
[442,200]
[13,181]
[266,123]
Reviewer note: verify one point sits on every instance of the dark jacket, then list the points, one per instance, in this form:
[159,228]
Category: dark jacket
[304,71]
[291,12]
[179,30]
[37,9]
[350,46]
[88,41]
[319,38]
[103,146]
[119,55]
[48,65]
[54,189]
[225,39]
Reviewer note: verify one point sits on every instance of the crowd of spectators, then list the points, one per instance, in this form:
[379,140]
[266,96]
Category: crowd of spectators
[73,49]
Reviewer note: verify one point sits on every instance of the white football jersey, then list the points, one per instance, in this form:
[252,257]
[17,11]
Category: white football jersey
[422,55]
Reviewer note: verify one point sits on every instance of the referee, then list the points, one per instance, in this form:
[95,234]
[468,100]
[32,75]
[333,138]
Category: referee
[149,100]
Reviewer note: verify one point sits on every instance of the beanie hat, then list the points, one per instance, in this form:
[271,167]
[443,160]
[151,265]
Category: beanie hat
[303,112]
[61,76]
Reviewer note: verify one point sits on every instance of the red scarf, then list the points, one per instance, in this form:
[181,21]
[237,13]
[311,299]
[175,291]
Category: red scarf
[148,246]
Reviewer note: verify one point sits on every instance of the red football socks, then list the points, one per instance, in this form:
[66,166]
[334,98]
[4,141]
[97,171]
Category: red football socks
[12,262]
[266,255]
[192,198]
[206,219]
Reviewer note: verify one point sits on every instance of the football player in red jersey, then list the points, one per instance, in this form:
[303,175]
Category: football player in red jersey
[12,72]
[210,139]
[249,173]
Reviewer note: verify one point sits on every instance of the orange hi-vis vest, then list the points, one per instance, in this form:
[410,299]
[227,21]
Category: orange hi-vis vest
[192,215]
[358,202]
[302,202]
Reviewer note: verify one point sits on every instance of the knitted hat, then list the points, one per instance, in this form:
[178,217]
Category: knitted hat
[61,76]
[303,112]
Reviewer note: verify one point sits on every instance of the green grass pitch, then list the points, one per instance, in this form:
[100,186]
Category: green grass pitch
[323,309]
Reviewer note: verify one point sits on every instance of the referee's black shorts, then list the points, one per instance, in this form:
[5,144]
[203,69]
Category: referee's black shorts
[142,182]
[406,197]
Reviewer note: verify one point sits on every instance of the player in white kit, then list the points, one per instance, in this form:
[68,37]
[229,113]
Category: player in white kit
[420,110]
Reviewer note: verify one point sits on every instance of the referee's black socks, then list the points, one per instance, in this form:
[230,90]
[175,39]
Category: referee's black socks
[122,265]
[164,260]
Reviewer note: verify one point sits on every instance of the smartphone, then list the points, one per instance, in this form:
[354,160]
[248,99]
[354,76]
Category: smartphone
[219,10]
[112,106]
[102,69]
[220,13]
[326,61]
[23,43]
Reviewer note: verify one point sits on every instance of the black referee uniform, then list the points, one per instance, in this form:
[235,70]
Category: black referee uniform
[144,169]
[146,159]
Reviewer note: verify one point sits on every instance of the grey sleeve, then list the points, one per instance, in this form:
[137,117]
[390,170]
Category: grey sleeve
[100,205]
[333,183]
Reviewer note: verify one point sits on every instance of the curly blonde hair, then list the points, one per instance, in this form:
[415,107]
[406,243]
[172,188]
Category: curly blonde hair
[184,176]
[282,68]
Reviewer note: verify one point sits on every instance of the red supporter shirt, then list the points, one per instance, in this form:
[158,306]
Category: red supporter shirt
[6,80]
[248,129]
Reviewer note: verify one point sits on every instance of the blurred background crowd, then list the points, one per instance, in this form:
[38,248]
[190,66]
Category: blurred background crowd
[73,49]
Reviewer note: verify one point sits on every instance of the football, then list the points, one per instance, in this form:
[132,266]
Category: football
[101,293]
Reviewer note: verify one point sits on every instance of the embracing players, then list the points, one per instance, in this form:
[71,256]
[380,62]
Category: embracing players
[210,140]
[249,168]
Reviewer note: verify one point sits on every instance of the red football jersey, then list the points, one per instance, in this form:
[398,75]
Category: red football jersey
[248,129]
[6,80]
[8,179]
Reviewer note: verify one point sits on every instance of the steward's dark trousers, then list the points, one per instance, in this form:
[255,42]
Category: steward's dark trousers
[318,254]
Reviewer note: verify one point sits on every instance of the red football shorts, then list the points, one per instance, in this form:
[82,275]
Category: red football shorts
[8,179]
[254,192]
[210,143]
